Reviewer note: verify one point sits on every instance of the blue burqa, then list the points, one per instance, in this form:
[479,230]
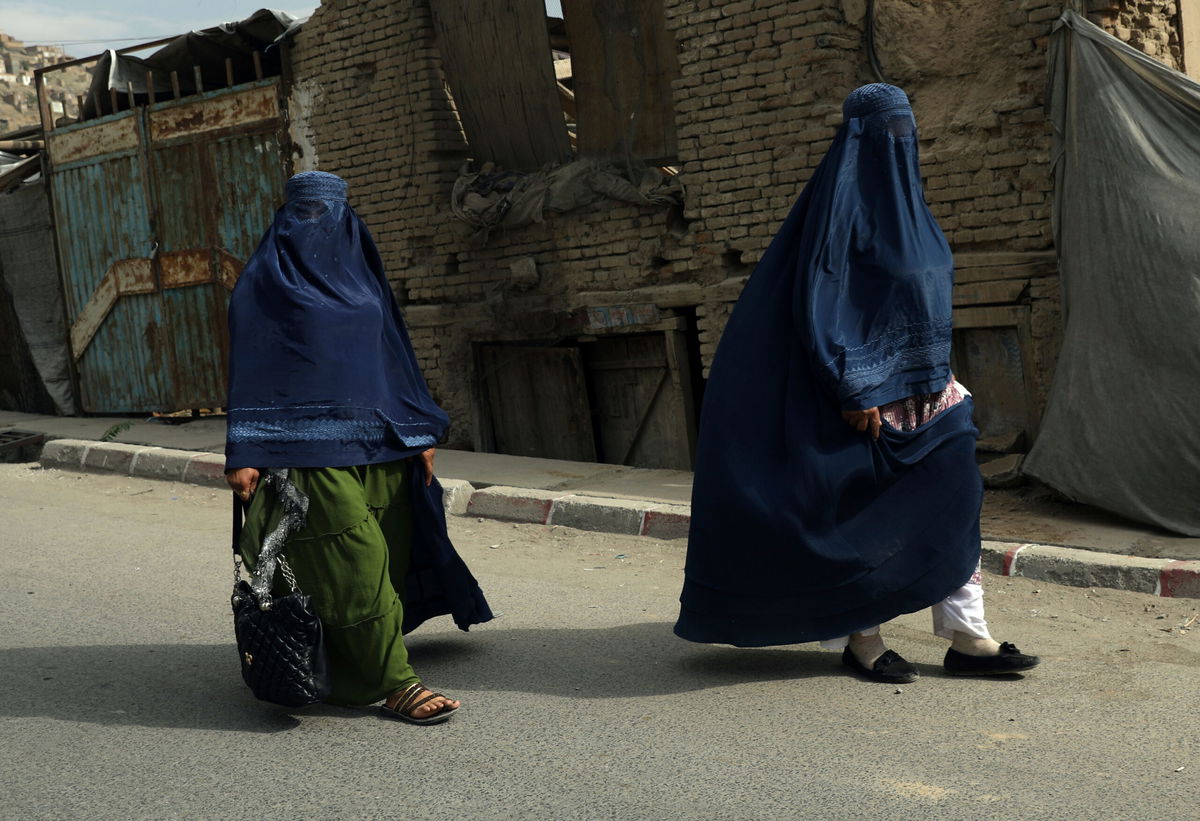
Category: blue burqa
[322,374]
[804,528]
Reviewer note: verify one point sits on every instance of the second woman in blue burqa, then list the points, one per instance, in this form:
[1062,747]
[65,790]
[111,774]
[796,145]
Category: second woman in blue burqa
[836,485]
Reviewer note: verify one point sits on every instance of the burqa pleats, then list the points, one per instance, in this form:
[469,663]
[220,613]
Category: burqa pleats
[802,527]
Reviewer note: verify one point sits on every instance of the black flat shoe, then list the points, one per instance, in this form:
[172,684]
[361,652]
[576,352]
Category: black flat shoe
[890,668]
[1008,660]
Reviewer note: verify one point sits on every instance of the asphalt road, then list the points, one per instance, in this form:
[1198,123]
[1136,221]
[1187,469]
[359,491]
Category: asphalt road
[121,697]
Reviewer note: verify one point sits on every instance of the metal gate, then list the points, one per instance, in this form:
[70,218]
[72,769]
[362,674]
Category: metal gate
[156,210]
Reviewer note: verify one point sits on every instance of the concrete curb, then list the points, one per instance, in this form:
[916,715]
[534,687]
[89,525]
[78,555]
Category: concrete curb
[633,517]
[1087,568]
[602,514]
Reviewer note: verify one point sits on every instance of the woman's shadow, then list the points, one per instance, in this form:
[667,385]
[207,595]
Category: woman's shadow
[198,686]
[626,661]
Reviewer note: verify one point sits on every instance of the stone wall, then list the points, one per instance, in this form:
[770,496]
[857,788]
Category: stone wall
[756,105]
[1149,25]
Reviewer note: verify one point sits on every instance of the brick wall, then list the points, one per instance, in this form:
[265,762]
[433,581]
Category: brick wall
[757,103]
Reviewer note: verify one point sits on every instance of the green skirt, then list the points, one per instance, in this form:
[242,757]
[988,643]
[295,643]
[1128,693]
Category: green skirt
[351,558]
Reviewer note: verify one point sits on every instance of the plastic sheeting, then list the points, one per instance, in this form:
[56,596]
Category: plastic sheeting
[1120,430]
[30,278]
[206,49]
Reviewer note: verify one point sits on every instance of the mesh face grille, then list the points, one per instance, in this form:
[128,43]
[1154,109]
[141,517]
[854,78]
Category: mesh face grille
[874,97]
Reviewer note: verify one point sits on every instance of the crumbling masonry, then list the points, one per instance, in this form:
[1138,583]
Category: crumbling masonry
[755,104]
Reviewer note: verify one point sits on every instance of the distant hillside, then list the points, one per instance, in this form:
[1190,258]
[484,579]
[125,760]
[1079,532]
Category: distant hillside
[18,100]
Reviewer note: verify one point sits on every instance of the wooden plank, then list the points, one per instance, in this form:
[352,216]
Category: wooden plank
[43,102]
[496,57]
[992,362]
[642,414]
[990,293]
[19,172]
[623,61]
[989,259]
[992,317]
[680,361]
[537,401]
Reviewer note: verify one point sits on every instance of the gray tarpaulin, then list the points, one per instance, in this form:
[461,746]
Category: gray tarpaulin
[29,275]
[1122,430]
[206,49]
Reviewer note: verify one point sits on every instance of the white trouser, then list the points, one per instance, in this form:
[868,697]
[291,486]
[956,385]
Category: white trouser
[962,610]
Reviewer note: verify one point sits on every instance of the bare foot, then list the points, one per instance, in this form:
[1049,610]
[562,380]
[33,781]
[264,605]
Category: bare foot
[418,702]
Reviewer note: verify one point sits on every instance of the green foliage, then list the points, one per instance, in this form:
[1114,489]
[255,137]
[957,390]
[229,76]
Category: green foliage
[113,432]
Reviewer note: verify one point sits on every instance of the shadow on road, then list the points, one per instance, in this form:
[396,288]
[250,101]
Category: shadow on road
[197,686]
[194,686]
[616,662]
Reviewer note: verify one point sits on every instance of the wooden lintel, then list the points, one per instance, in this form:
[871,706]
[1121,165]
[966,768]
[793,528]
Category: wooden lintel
[1004,292]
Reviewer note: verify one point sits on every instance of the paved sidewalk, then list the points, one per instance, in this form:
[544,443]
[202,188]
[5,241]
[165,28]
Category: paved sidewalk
[1073,545]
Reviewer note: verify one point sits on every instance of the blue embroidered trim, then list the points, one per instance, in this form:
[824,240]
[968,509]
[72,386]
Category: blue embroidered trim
[910,347]
[328,430]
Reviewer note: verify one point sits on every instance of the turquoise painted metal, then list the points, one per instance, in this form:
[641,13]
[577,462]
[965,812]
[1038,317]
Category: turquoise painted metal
[156,210]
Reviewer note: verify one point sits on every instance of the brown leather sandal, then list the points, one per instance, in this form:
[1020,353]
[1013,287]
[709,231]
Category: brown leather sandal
[408,702]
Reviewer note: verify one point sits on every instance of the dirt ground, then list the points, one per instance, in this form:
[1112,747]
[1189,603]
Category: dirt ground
[1038,515]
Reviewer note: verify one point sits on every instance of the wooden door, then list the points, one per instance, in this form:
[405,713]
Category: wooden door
[645,413]
[535,402]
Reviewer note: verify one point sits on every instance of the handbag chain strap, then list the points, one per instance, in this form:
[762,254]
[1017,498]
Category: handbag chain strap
[295,511]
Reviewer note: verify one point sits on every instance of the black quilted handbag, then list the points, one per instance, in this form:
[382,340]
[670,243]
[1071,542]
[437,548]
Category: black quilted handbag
[279,638]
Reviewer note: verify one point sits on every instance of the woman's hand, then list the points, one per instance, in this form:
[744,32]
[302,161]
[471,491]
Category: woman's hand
[244,482]
[427,460]
[863,420]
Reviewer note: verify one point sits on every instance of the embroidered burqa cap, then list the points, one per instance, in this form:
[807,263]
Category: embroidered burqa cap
[316,185]
[804,528]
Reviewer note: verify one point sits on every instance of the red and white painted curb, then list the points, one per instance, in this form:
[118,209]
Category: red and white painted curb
[640,517]
[602,514]
[1087,568]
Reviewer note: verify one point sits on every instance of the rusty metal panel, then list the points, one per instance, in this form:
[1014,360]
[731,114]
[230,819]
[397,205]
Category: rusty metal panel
[250,173]
[102,226]
[229,268]
[124,277]
[195,356]
[623,61]
[93,139]
[215,195]
[215,111]
[496,55]
[180,268]
[152,238]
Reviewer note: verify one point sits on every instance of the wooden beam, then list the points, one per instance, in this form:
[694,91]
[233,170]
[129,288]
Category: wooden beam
[623,62]
[498,64]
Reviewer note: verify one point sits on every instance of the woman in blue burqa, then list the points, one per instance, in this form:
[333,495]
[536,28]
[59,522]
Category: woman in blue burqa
[327,403]
[836,485]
